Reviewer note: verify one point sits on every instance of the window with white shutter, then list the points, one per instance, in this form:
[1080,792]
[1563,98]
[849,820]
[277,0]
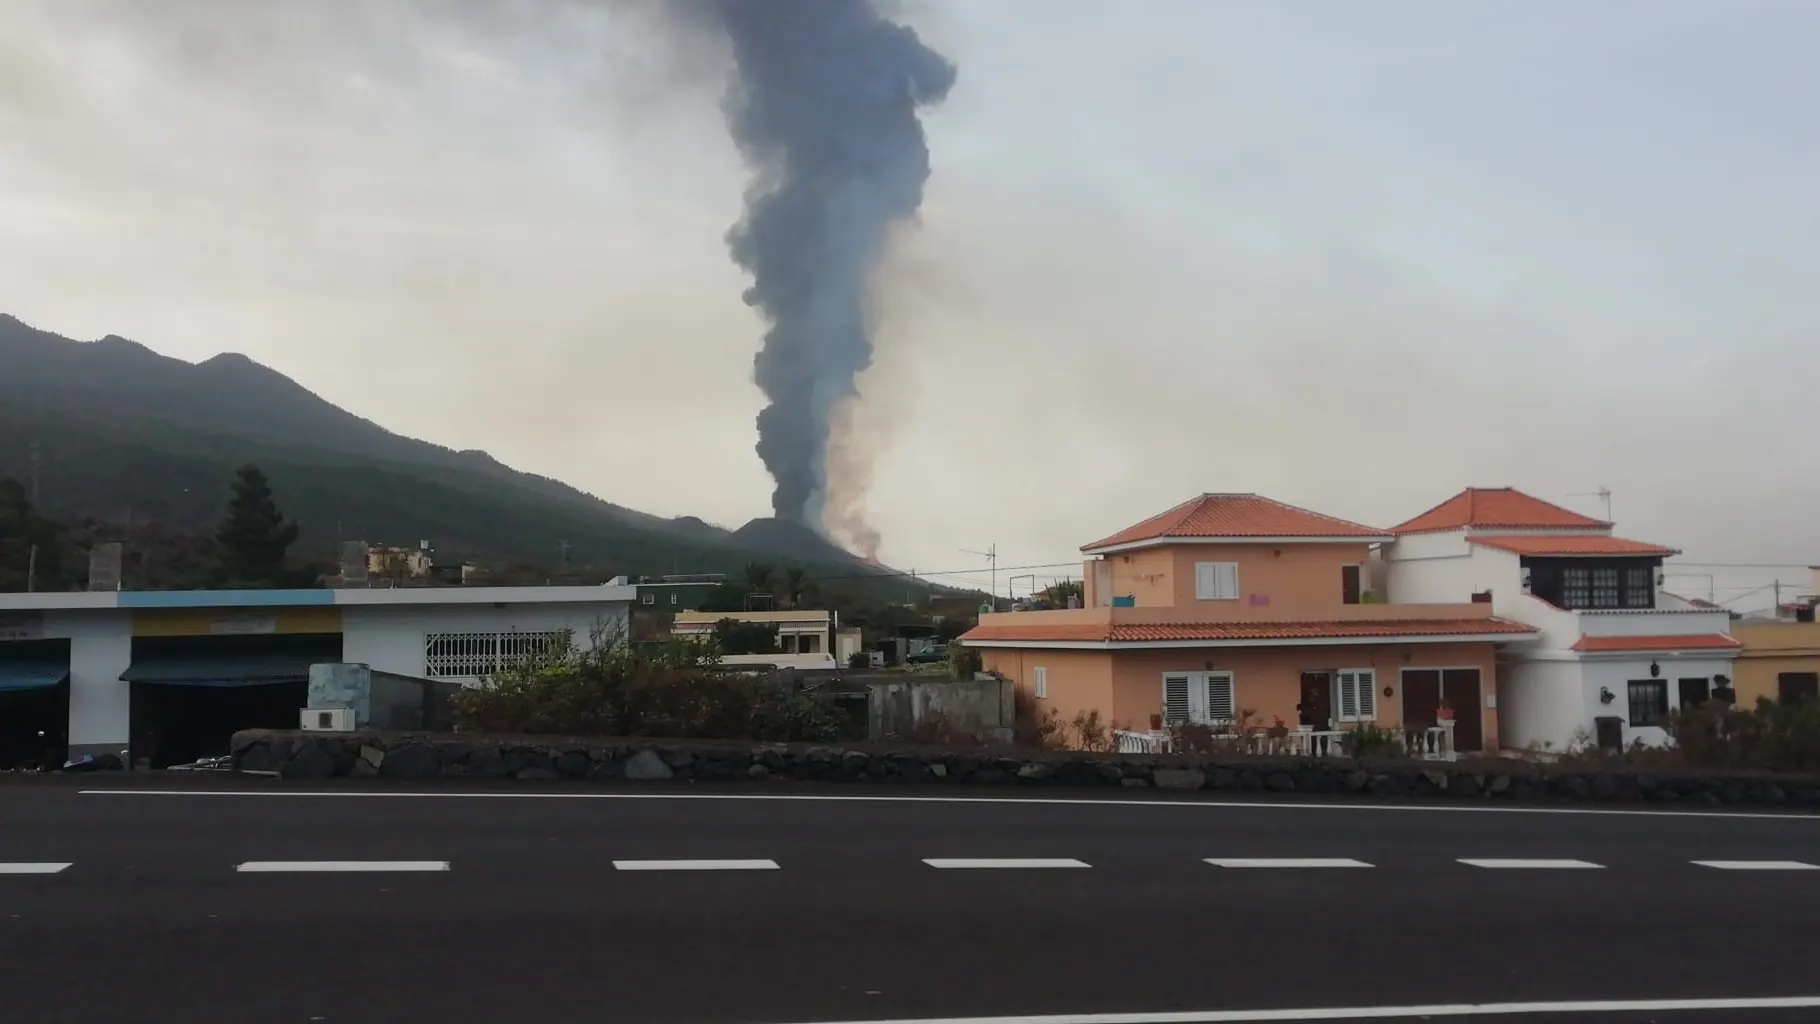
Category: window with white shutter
[1221,707]
[1200,698]
[1039,682]
[1175,700]
[1216,581]
[1357,696]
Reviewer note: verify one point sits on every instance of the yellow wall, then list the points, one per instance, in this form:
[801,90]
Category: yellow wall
[1771,648]
[234,622]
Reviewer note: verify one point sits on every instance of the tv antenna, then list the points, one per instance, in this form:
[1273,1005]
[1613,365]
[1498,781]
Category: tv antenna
[990,555]
[1603,494]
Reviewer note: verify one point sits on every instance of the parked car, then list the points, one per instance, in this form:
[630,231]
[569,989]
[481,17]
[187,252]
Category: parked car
[933,655]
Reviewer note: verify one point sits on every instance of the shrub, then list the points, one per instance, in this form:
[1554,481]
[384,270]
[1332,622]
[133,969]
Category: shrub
[963,662]
[673,689]
[1367,740]
[1769,737]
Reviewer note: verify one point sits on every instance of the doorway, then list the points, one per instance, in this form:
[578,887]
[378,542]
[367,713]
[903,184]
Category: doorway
[1317,700]
[1425,688]
[1694,693]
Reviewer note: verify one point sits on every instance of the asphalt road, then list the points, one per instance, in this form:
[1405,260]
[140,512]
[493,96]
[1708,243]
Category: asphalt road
[251,905]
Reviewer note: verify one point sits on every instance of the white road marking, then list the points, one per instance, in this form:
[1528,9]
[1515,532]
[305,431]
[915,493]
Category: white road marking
[1135,801]
[1758,865]
[1382,1012]
[1526,863]
[32,868]
[1286,862]
[695,865]
[1005,862]
[339,866]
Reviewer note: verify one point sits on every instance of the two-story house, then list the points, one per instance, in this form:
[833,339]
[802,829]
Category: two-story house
[1231,604]
[1611,653]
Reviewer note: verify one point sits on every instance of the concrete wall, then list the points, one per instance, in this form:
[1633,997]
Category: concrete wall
[101,648]
[982,707]
[1771,648]
[1541,704]
[1077,681]
[391,639]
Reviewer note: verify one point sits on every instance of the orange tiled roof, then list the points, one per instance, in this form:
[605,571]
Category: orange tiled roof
[1492,507]
[1236,516]
[1228,632]
[1572,544]
[1677,642]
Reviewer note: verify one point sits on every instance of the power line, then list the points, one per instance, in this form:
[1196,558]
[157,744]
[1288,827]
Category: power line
[886,575]
[1742,565]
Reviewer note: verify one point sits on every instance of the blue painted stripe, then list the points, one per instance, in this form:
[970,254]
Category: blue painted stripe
[225,598]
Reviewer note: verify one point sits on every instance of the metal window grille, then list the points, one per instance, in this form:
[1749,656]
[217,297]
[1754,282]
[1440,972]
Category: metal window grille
[477,655]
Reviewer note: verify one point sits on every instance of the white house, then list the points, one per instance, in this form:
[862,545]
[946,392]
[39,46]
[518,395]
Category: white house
[1614,653]
[96,672]
[806,638]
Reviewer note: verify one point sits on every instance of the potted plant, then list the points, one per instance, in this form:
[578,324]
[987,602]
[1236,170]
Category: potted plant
[1444,713]
[1156,723]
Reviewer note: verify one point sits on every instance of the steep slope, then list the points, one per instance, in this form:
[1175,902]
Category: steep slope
[125,432]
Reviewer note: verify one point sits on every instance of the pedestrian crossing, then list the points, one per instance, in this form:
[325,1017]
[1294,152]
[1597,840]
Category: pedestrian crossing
[699,865]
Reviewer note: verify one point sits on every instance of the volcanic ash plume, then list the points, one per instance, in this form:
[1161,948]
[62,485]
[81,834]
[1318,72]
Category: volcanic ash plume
[823,105]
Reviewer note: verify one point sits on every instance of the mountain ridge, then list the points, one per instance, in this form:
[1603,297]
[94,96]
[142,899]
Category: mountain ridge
[119,423]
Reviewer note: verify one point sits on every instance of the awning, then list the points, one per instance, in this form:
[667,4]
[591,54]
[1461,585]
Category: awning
[31,675]
[231,670]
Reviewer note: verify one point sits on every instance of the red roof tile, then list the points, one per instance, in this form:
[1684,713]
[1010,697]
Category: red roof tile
[1236,516]
[1231,632]
[1677,642]
[1491,507]
[1571,545]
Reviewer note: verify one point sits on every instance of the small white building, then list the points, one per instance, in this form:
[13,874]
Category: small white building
[806,638]
[100,671]
[1614,653]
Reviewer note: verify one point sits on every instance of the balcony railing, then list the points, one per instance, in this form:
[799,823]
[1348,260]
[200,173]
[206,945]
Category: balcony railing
[1433,743]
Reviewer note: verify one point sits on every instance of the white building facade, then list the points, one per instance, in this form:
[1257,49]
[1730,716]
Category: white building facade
[95,647]
[1614,653]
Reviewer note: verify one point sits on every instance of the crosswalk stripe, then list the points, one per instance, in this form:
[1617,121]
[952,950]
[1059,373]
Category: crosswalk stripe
[695,865]
[338,866]
[1758,865]
[1286,862]
[33,868]
[1005,862]
[1524,863]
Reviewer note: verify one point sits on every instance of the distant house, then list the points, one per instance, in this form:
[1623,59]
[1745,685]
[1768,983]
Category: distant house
[1236,603]
[806,638]
[408,563]
[1610,654]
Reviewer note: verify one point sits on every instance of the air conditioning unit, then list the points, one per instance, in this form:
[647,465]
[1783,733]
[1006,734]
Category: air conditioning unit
[327,720]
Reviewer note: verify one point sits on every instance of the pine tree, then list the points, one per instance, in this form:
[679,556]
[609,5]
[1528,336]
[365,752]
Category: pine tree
[254,537]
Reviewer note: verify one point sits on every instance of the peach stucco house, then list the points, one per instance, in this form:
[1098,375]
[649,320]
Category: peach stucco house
[1235,603]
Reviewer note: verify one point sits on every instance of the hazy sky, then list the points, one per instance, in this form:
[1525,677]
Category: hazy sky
[1353,256]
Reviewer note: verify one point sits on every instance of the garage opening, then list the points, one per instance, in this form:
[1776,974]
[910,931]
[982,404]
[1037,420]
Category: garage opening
[191,694]
[34,704]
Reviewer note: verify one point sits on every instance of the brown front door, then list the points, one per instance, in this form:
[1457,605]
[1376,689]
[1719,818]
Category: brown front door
[1461,688]
[1421,696]
[1317,699]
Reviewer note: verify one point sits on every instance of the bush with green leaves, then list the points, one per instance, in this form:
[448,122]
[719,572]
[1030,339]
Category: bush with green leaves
[676,689]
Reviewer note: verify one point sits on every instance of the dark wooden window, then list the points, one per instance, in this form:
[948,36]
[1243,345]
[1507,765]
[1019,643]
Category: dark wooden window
[1695,692]
[1351,589]
[1797,687]
[1648,702]
[1605,589]
[1639,587]
[1576,587]
[1593,582]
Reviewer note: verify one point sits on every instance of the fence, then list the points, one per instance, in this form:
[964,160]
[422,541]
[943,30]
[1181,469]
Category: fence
[1433,743]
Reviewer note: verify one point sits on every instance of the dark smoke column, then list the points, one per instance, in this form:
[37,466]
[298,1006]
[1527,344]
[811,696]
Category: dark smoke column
[824,108]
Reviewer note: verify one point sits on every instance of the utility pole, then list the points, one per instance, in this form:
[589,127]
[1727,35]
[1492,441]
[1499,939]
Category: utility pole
[990,555]
[31,558]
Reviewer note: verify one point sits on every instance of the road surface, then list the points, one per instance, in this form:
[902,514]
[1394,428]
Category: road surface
[212,901]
